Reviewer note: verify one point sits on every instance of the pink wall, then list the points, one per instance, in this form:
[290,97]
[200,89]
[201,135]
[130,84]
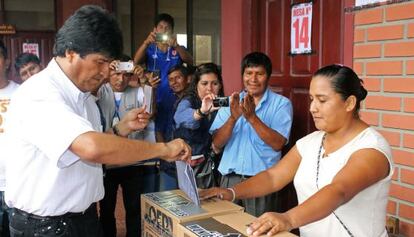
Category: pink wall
[235,41]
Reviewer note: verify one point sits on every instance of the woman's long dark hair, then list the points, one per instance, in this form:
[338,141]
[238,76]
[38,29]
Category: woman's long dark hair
[202,69]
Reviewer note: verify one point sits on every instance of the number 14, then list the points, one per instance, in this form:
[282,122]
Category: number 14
[301,32]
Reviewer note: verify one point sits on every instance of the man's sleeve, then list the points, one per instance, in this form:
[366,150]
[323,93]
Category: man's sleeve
[52,126]
[222,116]
[282,119]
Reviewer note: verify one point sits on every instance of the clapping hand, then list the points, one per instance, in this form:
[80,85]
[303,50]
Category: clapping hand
[248,107]
[235,109]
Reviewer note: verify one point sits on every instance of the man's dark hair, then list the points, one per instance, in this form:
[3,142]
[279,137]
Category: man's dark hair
[25,58]
[257,59]
[3,49]
[91,29]
[164,17]
[181,68]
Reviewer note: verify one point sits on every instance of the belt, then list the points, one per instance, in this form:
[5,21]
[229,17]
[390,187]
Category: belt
[89,210]
[239,175]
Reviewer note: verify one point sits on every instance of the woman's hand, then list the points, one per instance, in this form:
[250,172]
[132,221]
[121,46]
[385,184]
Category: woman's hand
[216,192]
[207,104]
[270,223]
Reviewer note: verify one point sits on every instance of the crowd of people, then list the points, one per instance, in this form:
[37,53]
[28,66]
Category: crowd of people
[85,125]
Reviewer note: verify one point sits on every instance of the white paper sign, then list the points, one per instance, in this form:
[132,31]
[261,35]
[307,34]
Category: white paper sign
[367,2]
[301,29]
[32,48]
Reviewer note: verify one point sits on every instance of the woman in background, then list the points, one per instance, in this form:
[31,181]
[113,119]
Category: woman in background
[194,115]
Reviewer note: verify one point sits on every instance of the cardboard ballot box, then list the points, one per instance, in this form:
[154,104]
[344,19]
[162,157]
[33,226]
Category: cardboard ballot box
[230,225]
[162,212]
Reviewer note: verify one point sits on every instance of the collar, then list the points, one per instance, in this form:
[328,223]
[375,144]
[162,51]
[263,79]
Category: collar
[69,88]
[262,100]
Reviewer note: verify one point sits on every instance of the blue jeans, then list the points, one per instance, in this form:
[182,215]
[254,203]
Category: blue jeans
[4,217]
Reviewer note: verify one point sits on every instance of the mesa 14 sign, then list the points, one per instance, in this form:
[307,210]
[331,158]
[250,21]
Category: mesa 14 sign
[301,29]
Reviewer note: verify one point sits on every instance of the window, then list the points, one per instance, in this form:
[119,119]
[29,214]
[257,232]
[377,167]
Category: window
[30,15]
[123,15]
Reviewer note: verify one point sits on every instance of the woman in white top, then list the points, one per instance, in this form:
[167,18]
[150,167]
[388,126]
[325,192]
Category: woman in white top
[341,173]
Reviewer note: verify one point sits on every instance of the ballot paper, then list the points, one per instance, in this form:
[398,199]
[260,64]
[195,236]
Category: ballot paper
[148,98]
[186,181]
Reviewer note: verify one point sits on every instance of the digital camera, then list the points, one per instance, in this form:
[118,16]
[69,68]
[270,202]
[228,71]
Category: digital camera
[161,37]
[221,102]
[125,67]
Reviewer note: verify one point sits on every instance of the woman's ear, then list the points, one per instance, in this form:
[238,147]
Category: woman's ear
[350,103]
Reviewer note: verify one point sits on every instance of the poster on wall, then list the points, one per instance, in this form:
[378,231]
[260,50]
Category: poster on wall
[367,2]
[301,29]
[32,48]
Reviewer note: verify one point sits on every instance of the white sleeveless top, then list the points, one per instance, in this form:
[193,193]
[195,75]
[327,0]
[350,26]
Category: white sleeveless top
[364,215]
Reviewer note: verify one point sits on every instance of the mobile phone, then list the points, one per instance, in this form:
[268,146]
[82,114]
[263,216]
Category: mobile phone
[221,102]
[125,67]
[156,73]
[161,37]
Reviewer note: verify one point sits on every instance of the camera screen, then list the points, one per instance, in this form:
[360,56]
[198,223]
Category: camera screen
[160,37]
[221,102]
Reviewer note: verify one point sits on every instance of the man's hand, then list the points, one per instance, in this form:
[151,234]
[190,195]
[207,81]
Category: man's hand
[150,38]
[235,107]
[172,41]
[138,71]
[114,65]
[177,149]
[135,119]
[270,223]
[248,107]
[153,81]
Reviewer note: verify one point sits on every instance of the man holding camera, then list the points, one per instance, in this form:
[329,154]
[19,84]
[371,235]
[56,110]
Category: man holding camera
[253,130]
[55,147]
[161,52]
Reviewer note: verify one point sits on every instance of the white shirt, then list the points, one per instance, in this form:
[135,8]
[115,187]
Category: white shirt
[5,95]
[44,177]
[364,214]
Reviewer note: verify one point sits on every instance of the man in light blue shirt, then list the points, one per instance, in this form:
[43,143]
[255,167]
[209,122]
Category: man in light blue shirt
[253,130]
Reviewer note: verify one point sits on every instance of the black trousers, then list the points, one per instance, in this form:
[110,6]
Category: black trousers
[134,182]
[71,224]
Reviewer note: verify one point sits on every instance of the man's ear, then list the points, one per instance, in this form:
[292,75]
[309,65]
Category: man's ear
[350,103]
[70,55]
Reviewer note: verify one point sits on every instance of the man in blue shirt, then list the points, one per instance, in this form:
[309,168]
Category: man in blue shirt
[253,130]
[160,55]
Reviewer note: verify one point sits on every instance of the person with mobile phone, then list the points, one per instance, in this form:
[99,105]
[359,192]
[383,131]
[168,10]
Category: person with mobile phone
[115,99]
[161,52]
